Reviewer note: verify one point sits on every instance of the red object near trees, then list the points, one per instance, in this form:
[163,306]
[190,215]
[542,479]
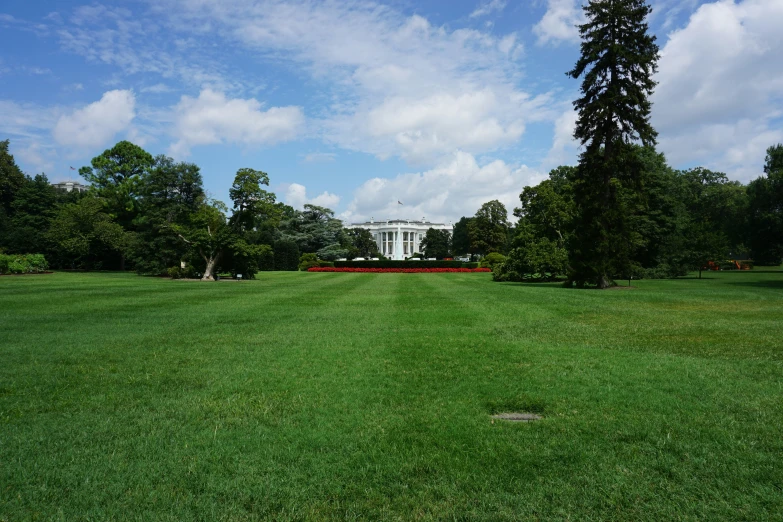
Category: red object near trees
[397,270]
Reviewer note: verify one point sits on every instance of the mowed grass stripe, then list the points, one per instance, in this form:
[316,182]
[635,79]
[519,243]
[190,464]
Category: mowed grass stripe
[366,396]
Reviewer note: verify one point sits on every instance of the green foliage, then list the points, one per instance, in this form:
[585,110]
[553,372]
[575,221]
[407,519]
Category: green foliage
[11,179]
[170,193]
[85,235]
[313,229]
[115,176]
[765,216]
[248,259]
[460,239]
[333,252]
[307,261]
[23,264]
[618,60]
[492,259]
[251,203]
[362,241]
[286,254]
[488,230]
[436,243]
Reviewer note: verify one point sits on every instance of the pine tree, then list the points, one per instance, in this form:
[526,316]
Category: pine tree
[617,62]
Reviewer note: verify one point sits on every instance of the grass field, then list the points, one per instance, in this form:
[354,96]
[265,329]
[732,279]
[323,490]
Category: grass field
[368,396]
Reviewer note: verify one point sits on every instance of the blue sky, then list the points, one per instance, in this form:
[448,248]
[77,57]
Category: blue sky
[356,105]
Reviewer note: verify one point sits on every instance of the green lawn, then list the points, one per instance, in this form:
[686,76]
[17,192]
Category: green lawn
[368,396]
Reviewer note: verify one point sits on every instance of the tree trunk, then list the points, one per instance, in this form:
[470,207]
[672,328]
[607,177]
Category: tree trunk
[604,282]
[210,270]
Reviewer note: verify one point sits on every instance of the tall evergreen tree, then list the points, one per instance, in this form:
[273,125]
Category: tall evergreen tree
[618,60]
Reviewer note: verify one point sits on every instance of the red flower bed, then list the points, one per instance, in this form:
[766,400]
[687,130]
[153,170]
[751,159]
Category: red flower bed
[398,270]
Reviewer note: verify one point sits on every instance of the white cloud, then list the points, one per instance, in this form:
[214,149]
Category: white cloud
[158,88]
[395,85]
[719,88]
[98,122]
[296,196]
[488,8]
[559,22]
[457,187]
[25,120]
[564,146]
[212,118]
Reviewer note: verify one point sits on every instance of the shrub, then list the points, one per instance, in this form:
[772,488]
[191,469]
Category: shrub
[22,264]
[286,255]
[492,259]
[175,272]
[307,261]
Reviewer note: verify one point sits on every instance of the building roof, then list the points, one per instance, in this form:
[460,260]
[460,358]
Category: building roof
[398,222]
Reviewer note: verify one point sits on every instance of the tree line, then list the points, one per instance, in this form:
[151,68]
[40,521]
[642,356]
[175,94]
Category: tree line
[152,215]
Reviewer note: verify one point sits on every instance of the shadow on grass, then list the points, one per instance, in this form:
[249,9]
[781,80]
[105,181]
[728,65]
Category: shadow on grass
[776,284]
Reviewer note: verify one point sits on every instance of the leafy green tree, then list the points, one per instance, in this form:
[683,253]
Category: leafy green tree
[488,230]
[30,212]
[765,210]
[313,229]
[436,243]
[208,235]
[286,255]
[115,176]
[545,224]
[460,239]
[11,179]
[618,60]
[713,203]
[251,202]
[169,193]
[85,235]
[363,243]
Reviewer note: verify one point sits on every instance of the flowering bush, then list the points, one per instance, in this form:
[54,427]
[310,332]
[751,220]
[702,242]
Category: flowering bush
[397,270]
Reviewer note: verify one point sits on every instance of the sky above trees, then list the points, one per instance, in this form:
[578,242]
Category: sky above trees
[358,105]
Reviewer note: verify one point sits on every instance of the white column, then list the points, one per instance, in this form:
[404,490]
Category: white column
[399,244]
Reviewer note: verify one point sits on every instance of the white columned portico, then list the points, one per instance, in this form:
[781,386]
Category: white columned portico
[400,238]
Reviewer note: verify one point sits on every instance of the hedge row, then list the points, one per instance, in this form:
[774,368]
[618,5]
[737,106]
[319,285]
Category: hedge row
[23,264]
[399,270]
[403,264]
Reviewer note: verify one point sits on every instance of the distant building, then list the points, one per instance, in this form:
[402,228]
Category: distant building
[400,238]
[70,186]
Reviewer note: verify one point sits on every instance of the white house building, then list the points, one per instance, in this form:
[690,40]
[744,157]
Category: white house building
[400,238]
[70,186]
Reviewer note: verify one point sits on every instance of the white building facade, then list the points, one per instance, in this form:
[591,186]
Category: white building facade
[70,186]
[400,238]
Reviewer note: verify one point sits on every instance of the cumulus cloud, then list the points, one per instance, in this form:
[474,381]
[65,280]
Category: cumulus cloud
[559,22]
[97,123]
[457,187]
[720,79]
[296,196]
[564,146]
[401,86]
[213,118]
